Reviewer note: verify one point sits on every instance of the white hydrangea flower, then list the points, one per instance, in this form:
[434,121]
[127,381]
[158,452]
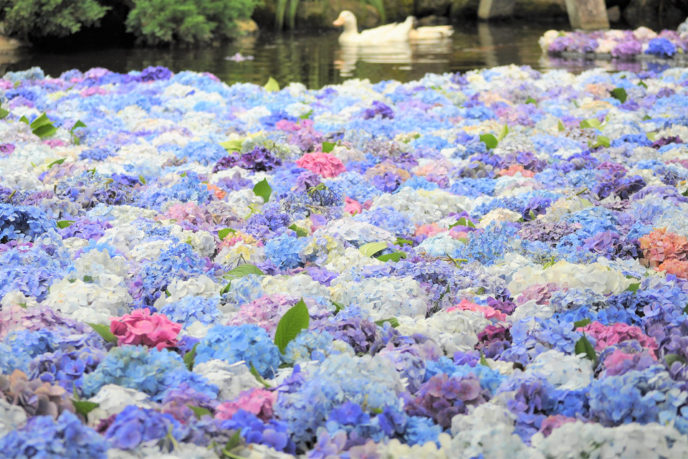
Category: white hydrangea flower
[11,417]
[567,372]
[383,297]
[231,379]
[112,399]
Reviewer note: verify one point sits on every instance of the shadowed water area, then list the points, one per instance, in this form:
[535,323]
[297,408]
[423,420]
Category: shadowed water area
[317,59]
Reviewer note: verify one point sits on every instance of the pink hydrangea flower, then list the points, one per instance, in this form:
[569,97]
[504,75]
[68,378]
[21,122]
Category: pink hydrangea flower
[487,311]
[609,335]
[324,164]
[142,327]
[256,401]
[352,206]
[554,422]
[429,229]
[516,169]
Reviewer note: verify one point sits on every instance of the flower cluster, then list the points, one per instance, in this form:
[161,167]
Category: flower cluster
[142,327]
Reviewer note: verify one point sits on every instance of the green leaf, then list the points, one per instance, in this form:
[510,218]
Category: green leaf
[199,411]
[83,407]
[43,127]
[88,279]
[42,120]
[243,270]
[646,118]
[263,190]
[337,307]
[651,135]
[530,100]
[24,119]
[463,221]
[602,141]
[372,248]
[104,332]
[327,147]
[580,323]
[642,84]
[300,232]
[272,85]
[291,324]
[583,346]
[393,321]
[394,256]
[78,124]
[671,358]
[142,179]
[233,442]
[590,123]
[64,223]
[258,377]
[226,288]
[306,115]
[3,113]
[685,193]
[505,131]
[232,145]
[56,162]
[223,233]
[402,241]
[190,357]
[619,94]
[489,140]
[633,287]
[483,360]
[560,126]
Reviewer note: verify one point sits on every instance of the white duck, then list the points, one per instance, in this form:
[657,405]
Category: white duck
[429,32]
[387,33]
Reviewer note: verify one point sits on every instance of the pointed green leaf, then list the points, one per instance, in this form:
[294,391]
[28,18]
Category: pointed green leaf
[258,377]
[78,124]
[394,256]
[372,248]
[327,147]
[243,270]
[232,145]
[580,323]
[652,136]
[291,324]
[64,223]
[142,179]
[263,190]
[463,221]
[590,123]
[671,358]
[619,94]
[24,119]
[56,162]
[337,307]
[483,361]
[633,287]
[489,140]
[226,288]
[272,85]
[3,113]
[223,233]
[199,411]
[306,115]
[84,407]
[393,321]
[642,84]
[104,332]
[602,141]
[530,100]
[190,357]
[300,232]
[402,241]
[583,346]
[560,126]
[233,442]
[505,131]
[42,120]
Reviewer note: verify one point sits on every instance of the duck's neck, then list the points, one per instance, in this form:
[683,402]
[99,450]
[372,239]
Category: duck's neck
[350,27]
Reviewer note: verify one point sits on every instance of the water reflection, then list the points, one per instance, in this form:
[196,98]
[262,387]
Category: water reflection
[405,55]
[317,59]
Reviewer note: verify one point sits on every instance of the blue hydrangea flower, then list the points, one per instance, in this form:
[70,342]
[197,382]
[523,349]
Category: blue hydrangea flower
[248,342]
[285,251]
[191,309]
[134,425]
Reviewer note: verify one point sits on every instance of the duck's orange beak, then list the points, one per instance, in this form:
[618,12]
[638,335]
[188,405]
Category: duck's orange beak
[338,22]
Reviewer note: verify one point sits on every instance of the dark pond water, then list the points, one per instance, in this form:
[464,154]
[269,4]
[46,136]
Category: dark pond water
[317,59]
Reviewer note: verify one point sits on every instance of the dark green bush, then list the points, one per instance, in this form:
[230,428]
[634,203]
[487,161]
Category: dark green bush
[31,19]
[159,22]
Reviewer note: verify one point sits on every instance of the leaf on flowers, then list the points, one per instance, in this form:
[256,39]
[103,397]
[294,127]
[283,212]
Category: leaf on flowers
[291,324]
[104,332]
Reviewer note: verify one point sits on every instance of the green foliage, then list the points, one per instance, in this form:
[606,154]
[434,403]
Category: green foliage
[162,22]
[32,19]
[291,324]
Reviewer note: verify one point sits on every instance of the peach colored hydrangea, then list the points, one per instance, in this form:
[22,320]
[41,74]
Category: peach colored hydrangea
[516,169]
[659,246]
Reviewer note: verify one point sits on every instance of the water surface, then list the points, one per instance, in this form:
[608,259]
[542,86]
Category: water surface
[317,59]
